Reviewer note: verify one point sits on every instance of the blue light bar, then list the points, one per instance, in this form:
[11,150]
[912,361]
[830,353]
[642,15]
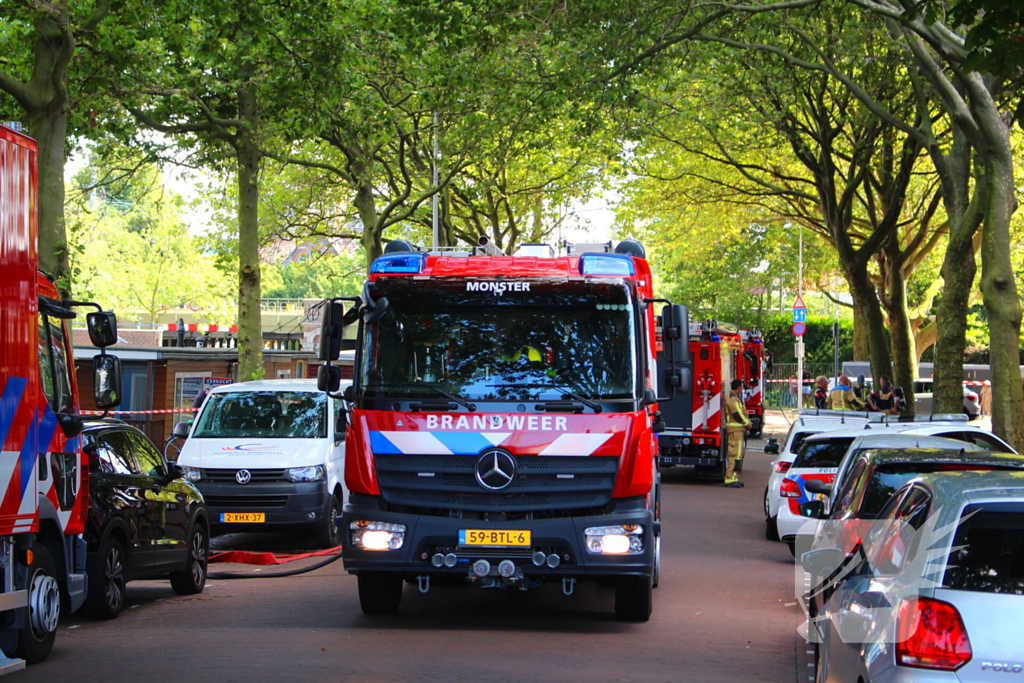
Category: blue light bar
[399,263]
[607,264]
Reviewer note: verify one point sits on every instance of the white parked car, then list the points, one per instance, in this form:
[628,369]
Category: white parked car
[807,423]
[923,399]
[268,455]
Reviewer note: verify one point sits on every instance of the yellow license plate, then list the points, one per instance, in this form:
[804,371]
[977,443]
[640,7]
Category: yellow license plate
[494,538]
[244,517]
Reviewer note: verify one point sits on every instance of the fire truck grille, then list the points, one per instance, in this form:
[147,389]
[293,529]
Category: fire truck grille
[540,484]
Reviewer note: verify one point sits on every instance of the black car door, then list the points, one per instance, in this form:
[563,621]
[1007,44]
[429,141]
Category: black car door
[118,491]
[166,509]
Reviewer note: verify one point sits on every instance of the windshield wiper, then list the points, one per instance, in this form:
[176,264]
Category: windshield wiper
[471,407]
[427,403]
[556,405]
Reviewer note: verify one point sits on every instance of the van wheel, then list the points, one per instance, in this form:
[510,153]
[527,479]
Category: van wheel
[34,641]
[107,572]
[328,534]
[634,598]
[379,592]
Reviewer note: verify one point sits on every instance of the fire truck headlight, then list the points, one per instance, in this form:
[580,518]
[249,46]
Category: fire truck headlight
[627,539]
[191,473]
[377,535]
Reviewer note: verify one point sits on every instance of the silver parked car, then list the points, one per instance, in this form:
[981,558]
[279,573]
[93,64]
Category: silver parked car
[936,592]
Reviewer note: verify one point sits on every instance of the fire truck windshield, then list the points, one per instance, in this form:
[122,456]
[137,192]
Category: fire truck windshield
[512,343]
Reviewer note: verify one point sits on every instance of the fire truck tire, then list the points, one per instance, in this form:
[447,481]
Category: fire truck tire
[328,534]
[35,638]
[192,579]
[634,598]
[379,592]
[107,571]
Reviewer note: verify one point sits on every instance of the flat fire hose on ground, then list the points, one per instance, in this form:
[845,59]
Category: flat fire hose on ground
[244,557]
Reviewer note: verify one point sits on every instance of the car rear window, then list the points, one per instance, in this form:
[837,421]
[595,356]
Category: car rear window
[798,441]
[822,453]
[990,555]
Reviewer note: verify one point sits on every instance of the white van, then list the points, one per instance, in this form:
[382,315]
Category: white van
[267,455]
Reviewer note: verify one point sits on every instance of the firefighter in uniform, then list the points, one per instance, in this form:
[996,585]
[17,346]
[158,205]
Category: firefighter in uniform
[737,424]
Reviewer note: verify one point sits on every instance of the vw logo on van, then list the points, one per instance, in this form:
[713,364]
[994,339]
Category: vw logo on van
[495,469]
[243,476]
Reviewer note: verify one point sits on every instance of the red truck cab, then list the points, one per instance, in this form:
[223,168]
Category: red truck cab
[503,423]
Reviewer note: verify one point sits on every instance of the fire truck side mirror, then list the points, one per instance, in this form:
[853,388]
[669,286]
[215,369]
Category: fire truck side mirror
[675,322]
[328,378]
[331,330]
[102,328]
[106,382]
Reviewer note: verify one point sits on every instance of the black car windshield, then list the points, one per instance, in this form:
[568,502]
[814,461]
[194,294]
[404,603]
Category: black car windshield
[534,340]
[268,414]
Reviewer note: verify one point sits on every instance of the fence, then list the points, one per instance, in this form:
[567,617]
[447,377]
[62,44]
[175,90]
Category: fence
[776,387]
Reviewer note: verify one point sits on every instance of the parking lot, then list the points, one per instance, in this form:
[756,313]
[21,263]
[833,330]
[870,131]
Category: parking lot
[719,615]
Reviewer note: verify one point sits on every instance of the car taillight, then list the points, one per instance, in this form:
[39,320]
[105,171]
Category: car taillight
[972,399]
[931,635]
[782,466]
[789,489]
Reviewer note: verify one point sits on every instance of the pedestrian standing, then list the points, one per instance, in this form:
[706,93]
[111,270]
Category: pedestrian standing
[197,402]
[737,424]
[821,392]
[794,389]
[805,389]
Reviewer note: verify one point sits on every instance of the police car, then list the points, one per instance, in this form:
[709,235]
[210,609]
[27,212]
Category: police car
[808,423]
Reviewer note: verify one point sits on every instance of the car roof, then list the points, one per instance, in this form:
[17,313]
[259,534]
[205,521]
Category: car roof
[881,429]
[939,456]
[299,385]
[975,487]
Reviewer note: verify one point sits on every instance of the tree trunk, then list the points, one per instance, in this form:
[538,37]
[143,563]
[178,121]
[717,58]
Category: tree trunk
[861,350]
[250,324]
[372,241]
[958,270]
[865,301]
[49,128]
[999,289]
[904,355]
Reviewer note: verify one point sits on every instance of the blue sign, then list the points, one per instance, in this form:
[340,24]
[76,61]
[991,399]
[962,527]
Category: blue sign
[799,315]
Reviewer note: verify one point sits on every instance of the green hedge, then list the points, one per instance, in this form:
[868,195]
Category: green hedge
[818,347]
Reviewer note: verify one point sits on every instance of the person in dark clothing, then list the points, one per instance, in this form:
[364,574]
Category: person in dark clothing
[821,393]
[884,398]
[200,397]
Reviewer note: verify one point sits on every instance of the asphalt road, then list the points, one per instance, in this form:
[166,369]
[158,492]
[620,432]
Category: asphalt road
[719,615]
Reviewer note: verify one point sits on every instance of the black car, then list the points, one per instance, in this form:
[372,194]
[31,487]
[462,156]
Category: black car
[145,521]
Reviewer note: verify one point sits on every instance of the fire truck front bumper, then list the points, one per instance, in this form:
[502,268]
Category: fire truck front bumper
[621,542]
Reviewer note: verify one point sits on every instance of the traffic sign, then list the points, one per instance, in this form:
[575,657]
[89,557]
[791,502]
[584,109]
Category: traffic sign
[799,315]
[799,328]
[799,303]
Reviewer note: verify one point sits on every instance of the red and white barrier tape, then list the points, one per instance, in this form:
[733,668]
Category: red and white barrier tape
[967,382]
[140,412]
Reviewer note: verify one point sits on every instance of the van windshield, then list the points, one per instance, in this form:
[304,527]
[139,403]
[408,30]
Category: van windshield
[278,414]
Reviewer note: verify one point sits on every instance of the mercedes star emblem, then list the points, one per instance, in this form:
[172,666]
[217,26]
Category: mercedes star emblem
[243,476]
[495,469]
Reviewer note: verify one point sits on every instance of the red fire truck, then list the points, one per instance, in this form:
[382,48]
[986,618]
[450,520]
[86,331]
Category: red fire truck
[43,472]
[503,421]
[750,369]
[693,432]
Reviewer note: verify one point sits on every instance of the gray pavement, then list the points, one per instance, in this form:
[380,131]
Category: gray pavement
[719,615]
